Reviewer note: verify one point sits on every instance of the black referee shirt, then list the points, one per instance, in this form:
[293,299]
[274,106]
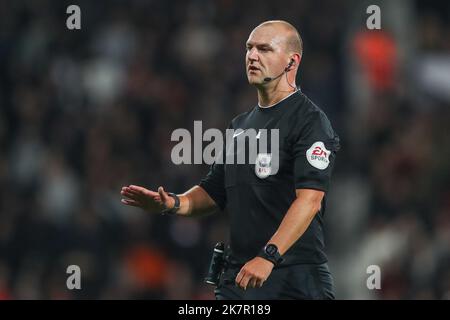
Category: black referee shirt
[258,202]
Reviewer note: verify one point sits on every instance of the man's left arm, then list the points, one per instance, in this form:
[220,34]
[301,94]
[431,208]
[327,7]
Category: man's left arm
[292,227]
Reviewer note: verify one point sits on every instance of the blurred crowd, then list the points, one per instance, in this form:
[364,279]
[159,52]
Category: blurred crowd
[85,112]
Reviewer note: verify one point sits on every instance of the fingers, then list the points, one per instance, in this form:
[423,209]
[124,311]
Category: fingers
[162,194]
[136,193]
[259,283]
[130,202]
[137,188]
[242,279]
[245,281]
[146,199]
[129,190]
[247,278]
[252,282]
[240,276]
[166,200]
[128,194]
[249,281]
[140,190]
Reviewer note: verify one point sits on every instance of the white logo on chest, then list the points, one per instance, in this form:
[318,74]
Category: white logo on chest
[263,165]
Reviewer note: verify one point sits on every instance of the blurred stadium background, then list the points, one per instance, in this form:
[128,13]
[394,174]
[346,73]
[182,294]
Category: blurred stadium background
[83,113]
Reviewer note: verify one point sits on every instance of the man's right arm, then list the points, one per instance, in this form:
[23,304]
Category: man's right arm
[194,202]
[201,199]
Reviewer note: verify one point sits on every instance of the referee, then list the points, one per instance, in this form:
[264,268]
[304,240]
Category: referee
[276,246]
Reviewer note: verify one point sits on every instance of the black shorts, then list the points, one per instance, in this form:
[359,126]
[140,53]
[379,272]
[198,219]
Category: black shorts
[300,281]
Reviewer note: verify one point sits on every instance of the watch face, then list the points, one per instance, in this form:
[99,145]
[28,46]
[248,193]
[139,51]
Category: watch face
[271,249]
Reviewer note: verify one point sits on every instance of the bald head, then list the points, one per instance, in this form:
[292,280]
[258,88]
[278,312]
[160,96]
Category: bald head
[293,40]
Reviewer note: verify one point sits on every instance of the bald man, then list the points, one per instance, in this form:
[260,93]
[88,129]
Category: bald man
[276,248]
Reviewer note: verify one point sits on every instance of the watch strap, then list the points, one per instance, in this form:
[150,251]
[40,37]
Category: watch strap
[175,208]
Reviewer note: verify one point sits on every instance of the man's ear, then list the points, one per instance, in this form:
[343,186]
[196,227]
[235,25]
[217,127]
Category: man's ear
[297,59]
[290,64]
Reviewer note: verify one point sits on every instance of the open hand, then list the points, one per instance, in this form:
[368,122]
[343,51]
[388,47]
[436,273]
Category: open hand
[147,200]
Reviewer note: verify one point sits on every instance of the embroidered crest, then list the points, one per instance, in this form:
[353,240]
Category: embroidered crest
[263,165]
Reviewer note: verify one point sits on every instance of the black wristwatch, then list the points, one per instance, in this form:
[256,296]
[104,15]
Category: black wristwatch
[270,252]
[175,207]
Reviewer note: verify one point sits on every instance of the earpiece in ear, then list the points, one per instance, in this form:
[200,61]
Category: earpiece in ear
[291,63]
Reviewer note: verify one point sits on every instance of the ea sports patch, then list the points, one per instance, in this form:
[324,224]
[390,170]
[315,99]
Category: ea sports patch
[318,156]
[263,165]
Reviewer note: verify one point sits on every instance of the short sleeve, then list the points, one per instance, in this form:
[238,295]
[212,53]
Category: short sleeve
[315,148]
[214,182]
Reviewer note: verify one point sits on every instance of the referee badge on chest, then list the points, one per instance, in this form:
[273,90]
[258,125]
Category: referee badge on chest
[263,165]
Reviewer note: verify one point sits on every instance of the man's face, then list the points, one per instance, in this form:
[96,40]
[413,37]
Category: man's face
[266,54]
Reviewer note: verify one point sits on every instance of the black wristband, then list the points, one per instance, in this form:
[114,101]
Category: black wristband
[175,207]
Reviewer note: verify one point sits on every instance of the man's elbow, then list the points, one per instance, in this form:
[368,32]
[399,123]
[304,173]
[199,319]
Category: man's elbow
[312,198]
[314,204]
